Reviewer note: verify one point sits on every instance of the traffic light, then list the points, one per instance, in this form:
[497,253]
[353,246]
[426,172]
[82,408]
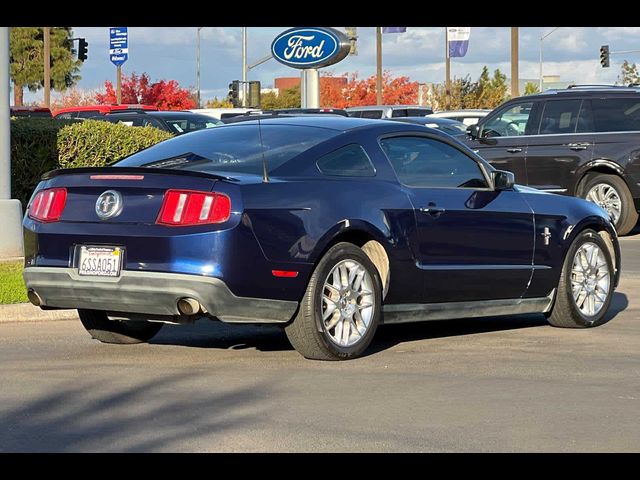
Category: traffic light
[234,92]
[604,55]
[82,49]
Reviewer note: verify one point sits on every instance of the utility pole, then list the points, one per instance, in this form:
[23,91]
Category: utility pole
[379,65]
[198,66]
[447,80]
[119,84]
[244,66]
[515,81]
[47,67]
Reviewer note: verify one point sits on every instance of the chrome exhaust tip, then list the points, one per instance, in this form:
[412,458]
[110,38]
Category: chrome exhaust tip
[188,306]
[34,298]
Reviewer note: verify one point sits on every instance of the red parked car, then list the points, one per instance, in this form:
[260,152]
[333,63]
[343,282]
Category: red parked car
[87,111]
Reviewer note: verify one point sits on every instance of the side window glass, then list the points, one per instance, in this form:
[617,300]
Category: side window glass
[560,116]
[616,114]
[426,162]
[511,122]
[349,161]
[585,118]
[371,114]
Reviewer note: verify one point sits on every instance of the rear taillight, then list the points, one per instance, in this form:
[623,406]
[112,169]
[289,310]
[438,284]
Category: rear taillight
[187,207]
[48,204]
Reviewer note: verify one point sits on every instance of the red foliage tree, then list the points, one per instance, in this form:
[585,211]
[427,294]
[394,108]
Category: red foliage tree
[166,95]
[395,91]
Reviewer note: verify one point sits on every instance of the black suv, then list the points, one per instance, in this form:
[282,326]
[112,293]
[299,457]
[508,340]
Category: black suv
[582,141]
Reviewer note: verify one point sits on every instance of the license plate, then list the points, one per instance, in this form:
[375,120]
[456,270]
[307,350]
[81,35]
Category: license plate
[99,261]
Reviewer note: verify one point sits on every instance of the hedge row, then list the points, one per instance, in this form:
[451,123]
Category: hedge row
[39,145]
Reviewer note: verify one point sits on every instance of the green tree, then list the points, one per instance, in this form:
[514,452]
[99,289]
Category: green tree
[486,92]
[628,74]
[27,60]
[531,88]
[289,98]
[215,103]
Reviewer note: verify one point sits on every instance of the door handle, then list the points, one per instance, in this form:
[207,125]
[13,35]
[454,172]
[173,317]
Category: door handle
[514,150]
[578,146]
[431,209]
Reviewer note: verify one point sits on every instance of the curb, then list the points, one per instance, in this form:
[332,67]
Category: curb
[25,312]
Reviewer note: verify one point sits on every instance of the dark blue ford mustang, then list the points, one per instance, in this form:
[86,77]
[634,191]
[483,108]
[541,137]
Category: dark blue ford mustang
[327,226]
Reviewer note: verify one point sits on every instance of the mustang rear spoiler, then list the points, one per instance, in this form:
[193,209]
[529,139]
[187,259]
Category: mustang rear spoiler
[139,170]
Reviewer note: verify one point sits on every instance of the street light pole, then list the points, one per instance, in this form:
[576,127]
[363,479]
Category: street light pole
[198,66]
[541,39]
[244,66]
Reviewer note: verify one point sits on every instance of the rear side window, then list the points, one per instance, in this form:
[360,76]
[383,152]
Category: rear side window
[349,161]
[237,148]
[560,116]
[418,112]
[616,114]
[66,115]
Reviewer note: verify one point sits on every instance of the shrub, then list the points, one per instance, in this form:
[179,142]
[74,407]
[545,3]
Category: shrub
[94,143]
[33,152]
[40,145]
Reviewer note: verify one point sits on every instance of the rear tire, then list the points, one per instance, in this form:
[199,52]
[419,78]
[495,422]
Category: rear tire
[572,308]
[596,185]
[105,330]
[351,304]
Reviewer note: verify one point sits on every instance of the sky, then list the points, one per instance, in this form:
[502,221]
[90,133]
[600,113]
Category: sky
[170,53]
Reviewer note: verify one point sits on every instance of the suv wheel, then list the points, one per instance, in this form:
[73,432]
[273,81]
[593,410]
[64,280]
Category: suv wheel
[613,195]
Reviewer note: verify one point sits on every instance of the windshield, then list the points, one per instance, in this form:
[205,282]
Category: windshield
[191,124]
[231,148]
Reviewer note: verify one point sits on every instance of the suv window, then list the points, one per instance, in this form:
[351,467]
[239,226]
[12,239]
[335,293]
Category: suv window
[511,122]
[560,116]
[371,114]
[349,161]
[616,114]
[418,112]
[426,162]
[399,112]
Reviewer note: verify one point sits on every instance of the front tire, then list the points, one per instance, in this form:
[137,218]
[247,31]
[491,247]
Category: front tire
[105,330]
[613,195]
[586,284]
[341,308]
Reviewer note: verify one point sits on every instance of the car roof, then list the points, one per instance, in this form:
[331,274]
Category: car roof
[177,114]
[379,107]
[428,119]
[464,111]
[589,90]
[336,122]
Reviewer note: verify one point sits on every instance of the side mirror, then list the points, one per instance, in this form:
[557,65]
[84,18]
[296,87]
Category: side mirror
[473,131]
[503,180]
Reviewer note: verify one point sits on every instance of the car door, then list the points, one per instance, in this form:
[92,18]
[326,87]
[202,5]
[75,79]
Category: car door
[565,141]
[471,242]
[502,137]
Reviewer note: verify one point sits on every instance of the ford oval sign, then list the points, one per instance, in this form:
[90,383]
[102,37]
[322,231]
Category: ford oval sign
[310,47]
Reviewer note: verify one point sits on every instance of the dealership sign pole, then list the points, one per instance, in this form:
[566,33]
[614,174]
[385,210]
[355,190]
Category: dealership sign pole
[10,209]
[118,54]
[308,49]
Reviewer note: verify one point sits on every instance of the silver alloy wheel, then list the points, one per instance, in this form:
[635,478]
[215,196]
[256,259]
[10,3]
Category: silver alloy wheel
[590,280]
[347,303]
[608,198]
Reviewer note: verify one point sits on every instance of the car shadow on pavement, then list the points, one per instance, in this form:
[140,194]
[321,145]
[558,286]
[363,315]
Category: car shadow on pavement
[113,415]
[209,334]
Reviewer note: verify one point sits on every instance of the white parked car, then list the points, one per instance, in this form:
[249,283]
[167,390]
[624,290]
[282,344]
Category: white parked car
[468,117]
[222,113]
[388,111]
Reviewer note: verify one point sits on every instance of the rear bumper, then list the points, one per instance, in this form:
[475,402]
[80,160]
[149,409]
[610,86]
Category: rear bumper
[153,293]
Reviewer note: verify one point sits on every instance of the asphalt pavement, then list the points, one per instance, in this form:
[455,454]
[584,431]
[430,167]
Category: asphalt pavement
[499,384]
